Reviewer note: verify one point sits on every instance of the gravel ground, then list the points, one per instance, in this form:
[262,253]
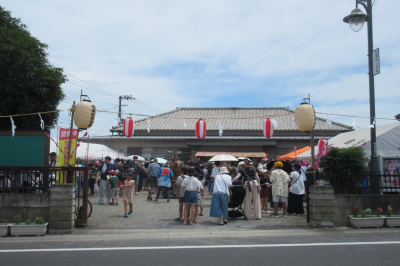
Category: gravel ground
[147,214]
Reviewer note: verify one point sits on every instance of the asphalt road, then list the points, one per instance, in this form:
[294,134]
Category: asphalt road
[378,248]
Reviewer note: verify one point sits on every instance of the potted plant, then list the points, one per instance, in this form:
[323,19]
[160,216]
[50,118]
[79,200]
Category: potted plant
[365,219]
[3,227]
[390,219]
[36,227]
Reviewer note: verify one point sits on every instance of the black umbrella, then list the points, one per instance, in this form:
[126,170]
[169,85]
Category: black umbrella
[287,167]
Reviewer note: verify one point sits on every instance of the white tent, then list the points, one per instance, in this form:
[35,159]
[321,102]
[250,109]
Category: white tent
[96,151]
[387,141]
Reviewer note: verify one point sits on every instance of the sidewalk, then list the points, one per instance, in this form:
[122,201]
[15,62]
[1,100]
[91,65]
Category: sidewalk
[149,215]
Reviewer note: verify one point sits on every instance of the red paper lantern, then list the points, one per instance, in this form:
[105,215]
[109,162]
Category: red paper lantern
[268,128]
[323,147]
[129,127]
[201,129]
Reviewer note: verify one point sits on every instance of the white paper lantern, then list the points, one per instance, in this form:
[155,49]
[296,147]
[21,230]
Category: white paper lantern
[305,117]
[85,113]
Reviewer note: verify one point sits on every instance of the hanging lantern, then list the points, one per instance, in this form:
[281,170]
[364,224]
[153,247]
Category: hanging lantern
[323,147]
[305,117]
[268,128]
[129,127]
[85,112]
[201,129]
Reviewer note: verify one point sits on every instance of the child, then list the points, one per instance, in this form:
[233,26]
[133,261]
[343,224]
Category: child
[200,196]
[190,185]
[128,193]
[113,181]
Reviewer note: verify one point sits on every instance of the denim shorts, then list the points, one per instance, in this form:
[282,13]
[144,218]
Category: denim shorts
[190,197]
[136,179]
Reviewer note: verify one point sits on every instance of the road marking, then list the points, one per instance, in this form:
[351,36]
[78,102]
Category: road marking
[203,247]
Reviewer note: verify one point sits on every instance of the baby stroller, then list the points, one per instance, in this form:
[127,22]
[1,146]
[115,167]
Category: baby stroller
[238,192]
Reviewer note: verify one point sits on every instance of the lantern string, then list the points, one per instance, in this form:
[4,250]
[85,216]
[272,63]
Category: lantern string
[209,118]
[34,113]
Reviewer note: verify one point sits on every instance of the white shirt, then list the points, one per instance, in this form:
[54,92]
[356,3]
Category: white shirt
[190,183]
[222,183]
[200,185]
[297,186]
[303,172]
[181,190]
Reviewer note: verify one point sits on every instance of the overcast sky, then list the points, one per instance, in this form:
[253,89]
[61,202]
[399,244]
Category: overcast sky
[183,53]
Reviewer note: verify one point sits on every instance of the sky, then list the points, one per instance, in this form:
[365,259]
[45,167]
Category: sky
[224,53]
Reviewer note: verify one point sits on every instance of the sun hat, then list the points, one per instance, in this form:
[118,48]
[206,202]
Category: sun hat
[223,170]
[260,168]
[264,171]
[240,163]
[129,174]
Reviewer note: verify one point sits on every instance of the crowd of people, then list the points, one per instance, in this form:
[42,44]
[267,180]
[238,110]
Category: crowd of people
[263,188]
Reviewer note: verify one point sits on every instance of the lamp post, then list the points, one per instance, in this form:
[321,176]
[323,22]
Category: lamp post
[356,21]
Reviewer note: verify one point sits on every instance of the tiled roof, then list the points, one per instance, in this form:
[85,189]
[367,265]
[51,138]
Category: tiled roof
[173,120]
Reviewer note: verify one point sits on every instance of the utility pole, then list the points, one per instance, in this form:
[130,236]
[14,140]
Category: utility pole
[125,97]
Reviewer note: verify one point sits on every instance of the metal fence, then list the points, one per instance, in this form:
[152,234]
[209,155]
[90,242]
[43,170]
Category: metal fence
[367,183]
[25,179]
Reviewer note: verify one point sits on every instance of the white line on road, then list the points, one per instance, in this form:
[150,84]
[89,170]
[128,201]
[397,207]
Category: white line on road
[203,247]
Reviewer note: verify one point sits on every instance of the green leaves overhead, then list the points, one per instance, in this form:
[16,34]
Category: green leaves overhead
[29,83]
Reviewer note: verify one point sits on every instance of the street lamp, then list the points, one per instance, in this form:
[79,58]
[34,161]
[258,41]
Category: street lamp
[356,20]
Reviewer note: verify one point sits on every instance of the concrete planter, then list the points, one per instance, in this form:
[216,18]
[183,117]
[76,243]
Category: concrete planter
[28,229]
[4,229]
[366,222]
[392,221]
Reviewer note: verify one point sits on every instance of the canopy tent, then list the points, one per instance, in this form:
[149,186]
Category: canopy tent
[234,154]
[387,141]
[96,151]
[292,155]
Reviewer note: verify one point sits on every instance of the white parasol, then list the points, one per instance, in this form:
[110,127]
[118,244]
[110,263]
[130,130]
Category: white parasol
[140,158]
[223,158]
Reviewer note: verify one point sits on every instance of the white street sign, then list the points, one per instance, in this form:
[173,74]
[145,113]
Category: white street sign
[376,65]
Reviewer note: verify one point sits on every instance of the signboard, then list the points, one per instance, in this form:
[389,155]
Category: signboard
[390,168]
[64,143]
[376,65]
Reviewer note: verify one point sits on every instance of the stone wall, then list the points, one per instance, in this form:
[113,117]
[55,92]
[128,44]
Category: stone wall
[28,205]
[62,209]
[344,204]
[57,208]
[321,206]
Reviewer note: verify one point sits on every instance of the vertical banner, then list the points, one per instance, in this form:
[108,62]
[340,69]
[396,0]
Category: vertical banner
[64,143]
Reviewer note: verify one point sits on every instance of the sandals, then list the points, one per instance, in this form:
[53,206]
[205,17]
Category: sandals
[177,219]
[221,224]
[225,222]
[201,214]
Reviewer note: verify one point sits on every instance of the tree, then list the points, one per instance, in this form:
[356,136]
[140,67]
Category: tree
[29,83]
[344,162]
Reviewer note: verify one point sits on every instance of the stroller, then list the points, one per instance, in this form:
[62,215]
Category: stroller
[238,192]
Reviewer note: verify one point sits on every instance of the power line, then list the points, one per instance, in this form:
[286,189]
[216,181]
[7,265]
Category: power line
[93,87]
[88,86]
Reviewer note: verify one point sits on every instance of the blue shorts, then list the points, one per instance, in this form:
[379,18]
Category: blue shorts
[136,179]
[190,197]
